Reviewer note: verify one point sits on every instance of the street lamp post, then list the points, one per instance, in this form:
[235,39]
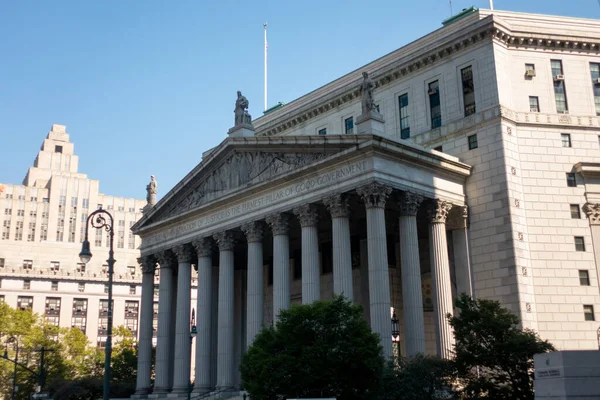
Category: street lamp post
[99,221]
[13,339]
[193,333]
[395,332]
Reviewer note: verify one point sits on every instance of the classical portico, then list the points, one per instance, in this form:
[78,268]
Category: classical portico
[280,216]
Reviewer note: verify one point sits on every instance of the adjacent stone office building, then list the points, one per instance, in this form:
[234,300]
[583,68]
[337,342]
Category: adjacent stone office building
[472,166]
[43,224]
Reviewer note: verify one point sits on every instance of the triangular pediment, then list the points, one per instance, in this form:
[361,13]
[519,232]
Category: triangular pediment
[234,167]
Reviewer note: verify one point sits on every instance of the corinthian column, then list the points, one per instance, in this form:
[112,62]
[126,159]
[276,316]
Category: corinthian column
[342,252]
[311,284]
[165,320]
[440,272]
[280,225]
[255,294]
[375,195]
[593,213]
[144,364]
[202,383]
[181,373]
[225,342]
[412,297]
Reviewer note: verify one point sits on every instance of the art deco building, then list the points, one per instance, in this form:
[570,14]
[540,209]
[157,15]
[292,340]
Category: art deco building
[43,224]
[466,161]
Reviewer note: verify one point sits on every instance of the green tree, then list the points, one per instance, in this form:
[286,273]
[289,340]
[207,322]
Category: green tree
[324,349]
[421,377]
[493,355]
[124,356]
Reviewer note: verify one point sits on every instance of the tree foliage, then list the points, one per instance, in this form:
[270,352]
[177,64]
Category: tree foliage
[324,349]
[493,355]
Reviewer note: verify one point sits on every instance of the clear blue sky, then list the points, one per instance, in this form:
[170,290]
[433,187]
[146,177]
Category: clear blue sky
[144,87]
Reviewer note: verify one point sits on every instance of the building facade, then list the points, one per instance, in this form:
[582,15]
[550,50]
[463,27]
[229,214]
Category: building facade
[467,161]
[43,225]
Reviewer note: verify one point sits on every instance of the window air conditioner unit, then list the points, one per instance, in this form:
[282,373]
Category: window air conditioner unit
[530,73]
[433,91]
[559,77]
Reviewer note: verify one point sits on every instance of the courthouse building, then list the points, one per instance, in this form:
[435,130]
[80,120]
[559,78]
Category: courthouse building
[466,161]
[43,224]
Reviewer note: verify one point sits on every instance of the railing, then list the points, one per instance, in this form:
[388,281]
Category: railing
[46,273]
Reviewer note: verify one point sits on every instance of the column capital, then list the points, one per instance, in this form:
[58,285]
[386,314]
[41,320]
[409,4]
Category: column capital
[438,210]
[148,264]
[254,231]
[307,214]
[408,203]
[165,259]
[337,205]
[593,212]
[203,246]
[457,217]
[225,240]
[184,253]
[374,194]
[279,223]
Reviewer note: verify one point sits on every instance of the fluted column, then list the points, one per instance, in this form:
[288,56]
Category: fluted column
[375,195]
[440,272]
[181,370]
[144,362]
[203,248]
[165,320]
[225,366]
[342,252]
[254,232]
[280,225]
[412,297]
[592,210]
[311,280]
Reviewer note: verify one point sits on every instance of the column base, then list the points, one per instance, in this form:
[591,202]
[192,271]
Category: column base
[202,390]
[140,395]
[161,391]
[178,395]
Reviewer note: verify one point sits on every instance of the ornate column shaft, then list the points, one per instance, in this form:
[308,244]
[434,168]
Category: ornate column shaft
[412,296]
[225,343]
[593,213]
[181,370]
[165,321]
[202,381]
[280,226]
[342,251]
[144,364]
[311,279]
[375,195]
[255,294]
[440,272]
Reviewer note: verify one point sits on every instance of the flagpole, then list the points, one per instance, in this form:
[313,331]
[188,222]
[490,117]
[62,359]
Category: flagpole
[491,4]
[266,47]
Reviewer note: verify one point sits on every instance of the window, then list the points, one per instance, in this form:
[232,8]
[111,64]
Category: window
[54,286]
[121,208]
[85,203]
[575,211]
[79,306]
[588,312]
[571,181]
[58,149]
[404,116]
[434,104]
[579,243]
[565,139]
[560,94]
[349,125]
[472,142]
[131,270]
[8,211]
[529,70]
[79,322]
[99,206]
[80,267]
[54,266]
[121,222]
[26,284]
[468,90]
[131,209]
[2,262]
[131,289]
[595,71]
[81,287]
[584,277]
[131,308]
[52,304]
[323,131]
[438,148]
[105,288]
[27,264]
[24,303]
[534,104]
[109,207]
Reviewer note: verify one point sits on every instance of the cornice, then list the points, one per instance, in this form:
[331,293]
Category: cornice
[411,60]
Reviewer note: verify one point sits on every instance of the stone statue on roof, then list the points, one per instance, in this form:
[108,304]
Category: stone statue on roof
[241,110]
[151,190]
[366,91]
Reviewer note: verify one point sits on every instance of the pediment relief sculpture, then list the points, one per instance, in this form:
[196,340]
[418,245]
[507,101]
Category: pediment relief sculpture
[240,169]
